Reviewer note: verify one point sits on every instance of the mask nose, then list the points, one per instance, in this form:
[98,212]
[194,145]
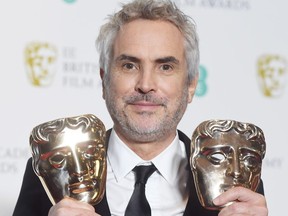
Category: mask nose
[234,168]
[78,166]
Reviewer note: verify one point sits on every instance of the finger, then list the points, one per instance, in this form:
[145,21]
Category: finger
[239,194]
[72,203]
[241,209]
[71,212]
[69,206]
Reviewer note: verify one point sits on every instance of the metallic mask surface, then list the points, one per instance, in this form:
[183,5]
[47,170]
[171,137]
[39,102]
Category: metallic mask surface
[69,157]
[225,154]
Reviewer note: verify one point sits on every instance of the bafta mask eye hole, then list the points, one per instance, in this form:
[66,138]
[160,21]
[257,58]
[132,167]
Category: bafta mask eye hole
[57,159]
[251,161]
[90,152]
[216,157]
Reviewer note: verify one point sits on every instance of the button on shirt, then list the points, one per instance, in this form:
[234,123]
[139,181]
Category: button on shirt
[166,188]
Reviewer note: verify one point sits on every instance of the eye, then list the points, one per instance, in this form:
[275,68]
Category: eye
[129,66]
[91,152]
[166,67]
[216,157]
[281,71]
[57,160]
[251,161]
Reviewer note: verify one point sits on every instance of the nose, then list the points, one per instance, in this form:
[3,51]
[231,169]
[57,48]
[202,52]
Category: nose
[146,81]
[78,166]
[234,168]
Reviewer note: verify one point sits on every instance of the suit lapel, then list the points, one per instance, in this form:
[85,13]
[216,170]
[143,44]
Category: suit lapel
[102,207]
[193,206]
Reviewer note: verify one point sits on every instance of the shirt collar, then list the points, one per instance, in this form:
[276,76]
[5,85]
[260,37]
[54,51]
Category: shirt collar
[122,159]
[170,160]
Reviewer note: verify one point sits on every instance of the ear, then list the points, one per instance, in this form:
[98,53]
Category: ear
[192,88]
[103,84]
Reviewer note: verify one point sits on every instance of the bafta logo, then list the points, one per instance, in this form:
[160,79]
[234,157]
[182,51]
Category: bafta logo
[272,74]
[40,61]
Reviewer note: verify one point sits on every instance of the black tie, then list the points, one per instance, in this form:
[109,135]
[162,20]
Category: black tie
[138,204]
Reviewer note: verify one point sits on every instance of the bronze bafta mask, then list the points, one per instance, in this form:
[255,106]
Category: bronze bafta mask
[69,157]
[225,154]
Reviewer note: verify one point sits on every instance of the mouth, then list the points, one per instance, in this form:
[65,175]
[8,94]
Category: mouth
[226,187]
[81,187]
[145,104]
[148,100]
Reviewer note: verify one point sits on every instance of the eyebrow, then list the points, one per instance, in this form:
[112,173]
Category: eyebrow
[251,150]
[124,57]
[162,60]
[168,59]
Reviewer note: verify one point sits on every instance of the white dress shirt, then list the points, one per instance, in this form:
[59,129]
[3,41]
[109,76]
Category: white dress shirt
[166,188]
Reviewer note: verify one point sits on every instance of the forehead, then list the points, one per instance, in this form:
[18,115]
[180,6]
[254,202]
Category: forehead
[70,138]
[149,38]
[230,138]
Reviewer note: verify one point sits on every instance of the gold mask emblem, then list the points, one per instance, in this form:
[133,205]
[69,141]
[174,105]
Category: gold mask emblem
[40,61]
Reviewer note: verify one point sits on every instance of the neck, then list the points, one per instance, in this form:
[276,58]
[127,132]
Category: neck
[147,149]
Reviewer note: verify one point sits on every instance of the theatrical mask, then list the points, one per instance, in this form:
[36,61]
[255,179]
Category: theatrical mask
[272,74]
[225,154]
[69,157]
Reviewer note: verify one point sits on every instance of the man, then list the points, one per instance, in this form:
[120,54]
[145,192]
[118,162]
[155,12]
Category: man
[149,66]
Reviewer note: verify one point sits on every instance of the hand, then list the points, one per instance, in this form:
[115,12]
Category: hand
[72,207]
[244,202]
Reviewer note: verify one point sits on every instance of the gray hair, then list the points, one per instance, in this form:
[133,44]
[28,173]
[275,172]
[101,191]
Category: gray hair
[150,10]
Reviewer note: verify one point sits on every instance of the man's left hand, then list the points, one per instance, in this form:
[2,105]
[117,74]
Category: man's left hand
[244,203]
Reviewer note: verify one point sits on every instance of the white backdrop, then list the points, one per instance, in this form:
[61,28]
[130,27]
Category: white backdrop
[233,35]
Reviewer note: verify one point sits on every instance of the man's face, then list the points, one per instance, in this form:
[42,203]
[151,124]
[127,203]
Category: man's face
[73,164]
[148,90]
[226,161]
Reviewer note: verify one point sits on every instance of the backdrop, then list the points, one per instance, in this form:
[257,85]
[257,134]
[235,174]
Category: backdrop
[50,70]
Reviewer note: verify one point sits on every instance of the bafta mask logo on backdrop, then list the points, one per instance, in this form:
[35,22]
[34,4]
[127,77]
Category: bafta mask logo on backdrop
[272,72]
[40,61]
[202,82]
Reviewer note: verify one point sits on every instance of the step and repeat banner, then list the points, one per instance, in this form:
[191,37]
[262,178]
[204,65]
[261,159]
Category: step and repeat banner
[49,69]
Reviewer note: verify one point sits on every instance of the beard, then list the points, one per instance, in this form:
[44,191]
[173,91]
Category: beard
[151,127]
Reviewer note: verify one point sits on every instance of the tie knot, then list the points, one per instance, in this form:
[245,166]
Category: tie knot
[142,173]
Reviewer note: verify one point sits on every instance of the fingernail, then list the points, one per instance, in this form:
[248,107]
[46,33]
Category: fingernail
[216,201]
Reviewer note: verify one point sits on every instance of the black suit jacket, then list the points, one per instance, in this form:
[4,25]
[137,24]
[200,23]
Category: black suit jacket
[33,200]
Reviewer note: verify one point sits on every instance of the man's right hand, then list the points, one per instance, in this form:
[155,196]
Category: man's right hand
[72,207]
